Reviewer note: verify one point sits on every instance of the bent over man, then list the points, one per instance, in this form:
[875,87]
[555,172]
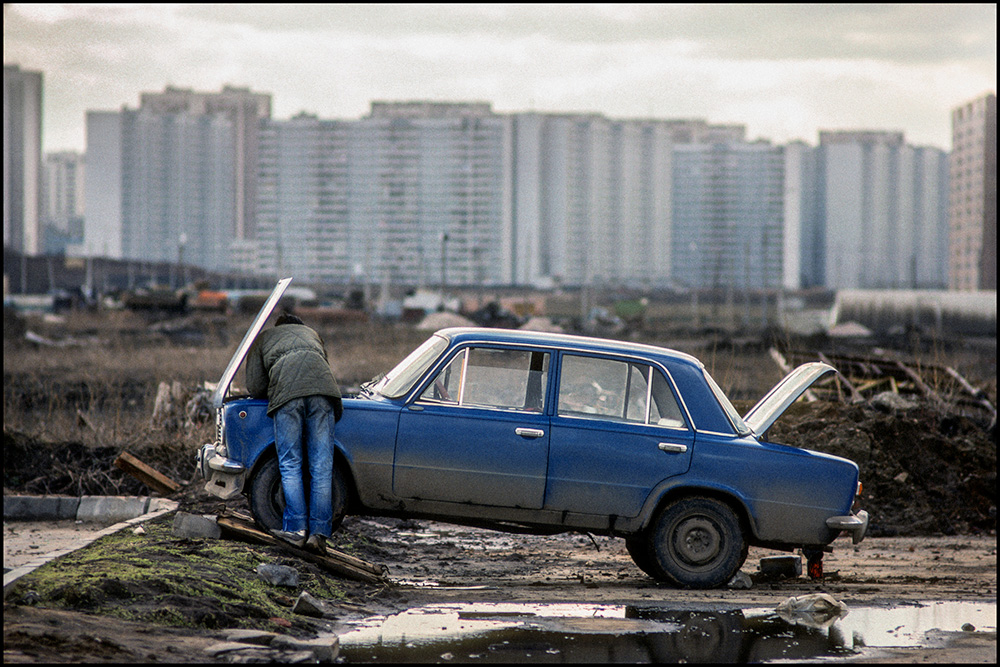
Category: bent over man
[288,365]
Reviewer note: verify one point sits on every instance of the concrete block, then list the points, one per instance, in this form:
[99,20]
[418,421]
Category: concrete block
[111,509]
[774,567]
[39,508]
[195,526]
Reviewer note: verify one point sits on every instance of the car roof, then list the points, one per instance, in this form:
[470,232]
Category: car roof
[564,341]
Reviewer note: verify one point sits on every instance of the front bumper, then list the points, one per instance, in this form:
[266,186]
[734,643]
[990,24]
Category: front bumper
[225,476]
[855,524]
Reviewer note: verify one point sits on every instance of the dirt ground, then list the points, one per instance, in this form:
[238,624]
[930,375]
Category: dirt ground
[929,483]
[434,563]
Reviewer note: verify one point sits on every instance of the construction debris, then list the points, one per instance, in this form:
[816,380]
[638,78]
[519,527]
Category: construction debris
[862,378]
[335,561]
[154,479]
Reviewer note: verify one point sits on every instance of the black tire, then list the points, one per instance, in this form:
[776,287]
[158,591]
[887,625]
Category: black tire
[267,499]
[697,542]
[638,548]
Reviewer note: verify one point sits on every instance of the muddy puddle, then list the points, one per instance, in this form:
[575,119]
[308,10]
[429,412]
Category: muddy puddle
[564,633]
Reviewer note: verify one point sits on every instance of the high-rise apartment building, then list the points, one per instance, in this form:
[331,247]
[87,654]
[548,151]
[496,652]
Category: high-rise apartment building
[62,200]
[303,202]
[430,193]
[245,110]
[882,212]
[159,187]
[414,193]
[728,216]
[22,160]
[973,196]
[591,200]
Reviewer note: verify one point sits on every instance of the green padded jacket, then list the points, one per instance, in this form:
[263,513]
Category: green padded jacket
[289,361]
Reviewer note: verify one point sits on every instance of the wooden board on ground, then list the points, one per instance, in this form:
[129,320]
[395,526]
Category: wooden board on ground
[154,479]
[335,561]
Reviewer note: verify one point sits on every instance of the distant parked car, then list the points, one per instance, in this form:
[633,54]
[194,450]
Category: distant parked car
[538,432]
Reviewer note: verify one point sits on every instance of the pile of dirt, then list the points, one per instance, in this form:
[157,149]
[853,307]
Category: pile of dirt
[924,471]
[37,467]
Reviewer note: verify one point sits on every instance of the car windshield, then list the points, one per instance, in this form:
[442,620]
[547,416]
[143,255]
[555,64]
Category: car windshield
[400,379]
[734,416]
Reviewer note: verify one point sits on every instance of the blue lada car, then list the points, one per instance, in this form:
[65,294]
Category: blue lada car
[537,432]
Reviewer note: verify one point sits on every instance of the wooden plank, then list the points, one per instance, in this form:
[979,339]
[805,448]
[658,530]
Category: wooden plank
[919,382]
[154,479]
[335,561]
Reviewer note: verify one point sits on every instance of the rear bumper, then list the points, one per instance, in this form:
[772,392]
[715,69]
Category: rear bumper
[855,524]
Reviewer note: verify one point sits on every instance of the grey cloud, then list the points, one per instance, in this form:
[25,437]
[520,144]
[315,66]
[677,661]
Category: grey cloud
[901,33]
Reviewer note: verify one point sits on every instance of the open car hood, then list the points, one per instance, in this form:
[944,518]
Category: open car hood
[783,394]
[258,323]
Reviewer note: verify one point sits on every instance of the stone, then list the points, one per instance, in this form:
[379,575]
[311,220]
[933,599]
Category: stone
[220,648]
[307,605]
[257,637]
[278,575]
[111,509]
[325,649]
[740,581]
[195,526]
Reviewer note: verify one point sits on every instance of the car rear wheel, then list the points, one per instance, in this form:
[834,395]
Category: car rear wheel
[267,498]
[697,543]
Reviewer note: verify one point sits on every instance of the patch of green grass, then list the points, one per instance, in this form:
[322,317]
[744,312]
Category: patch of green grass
[163,579]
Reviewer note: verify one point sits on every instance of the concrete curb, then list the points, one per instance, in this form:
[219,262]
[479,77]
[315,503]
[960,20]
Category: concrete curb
[86,508]
[98,509]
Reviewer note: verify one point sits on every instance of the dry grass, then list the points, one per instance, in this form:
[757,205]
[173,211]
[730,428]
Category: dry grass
[111,376]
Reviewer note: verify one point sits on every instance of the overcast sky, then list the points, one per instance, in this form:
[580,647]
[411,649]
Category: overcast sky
[785,71]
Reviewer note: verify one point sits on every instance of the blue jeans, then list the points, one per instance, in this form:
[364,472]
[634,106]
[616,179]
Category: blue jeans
[304,427]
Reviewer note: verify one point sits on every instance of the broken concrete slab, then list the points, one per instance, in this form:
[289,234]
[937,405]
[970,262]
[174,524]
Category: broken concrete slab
[196,526]
[325,649]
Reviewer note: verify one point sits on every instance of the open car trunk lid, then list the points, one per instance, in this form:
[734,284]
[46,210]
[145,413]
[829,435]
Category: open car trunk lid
[258,323]
[773,405]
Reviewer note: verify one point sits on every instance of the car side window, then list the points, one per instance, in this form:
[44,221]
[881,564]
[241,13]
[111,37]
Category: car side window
[663,408]
[616,390]
[591,386]
[493,378]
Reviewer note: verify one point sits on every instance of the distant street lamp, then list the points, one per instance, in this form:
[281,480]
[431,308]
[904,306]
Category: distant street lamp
[444,264]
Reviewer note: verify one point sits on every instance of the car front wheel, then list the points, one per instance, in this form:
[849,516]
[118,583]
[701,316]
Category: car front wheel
[697,543]
[267,498]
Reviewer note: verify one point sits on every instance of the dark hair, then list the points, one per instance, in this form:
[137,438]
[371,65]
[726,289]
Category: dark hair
[287,318]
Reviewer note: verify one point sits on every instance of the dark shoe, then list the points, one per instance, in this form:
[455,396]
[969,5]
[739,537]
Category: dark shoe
[317,543]
[298,538]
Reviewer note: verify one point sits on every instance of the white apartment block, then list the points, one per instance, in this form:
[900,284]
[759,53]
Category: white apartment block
[973,195]
[415,193]
[728,216]
[22,160]
[591,200]
[62,200]
[160,187]
[878,233]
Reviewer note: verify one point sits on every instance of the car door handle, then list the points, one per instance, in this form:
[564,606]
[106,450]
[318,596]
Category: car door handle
[529,432]
[672,448]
